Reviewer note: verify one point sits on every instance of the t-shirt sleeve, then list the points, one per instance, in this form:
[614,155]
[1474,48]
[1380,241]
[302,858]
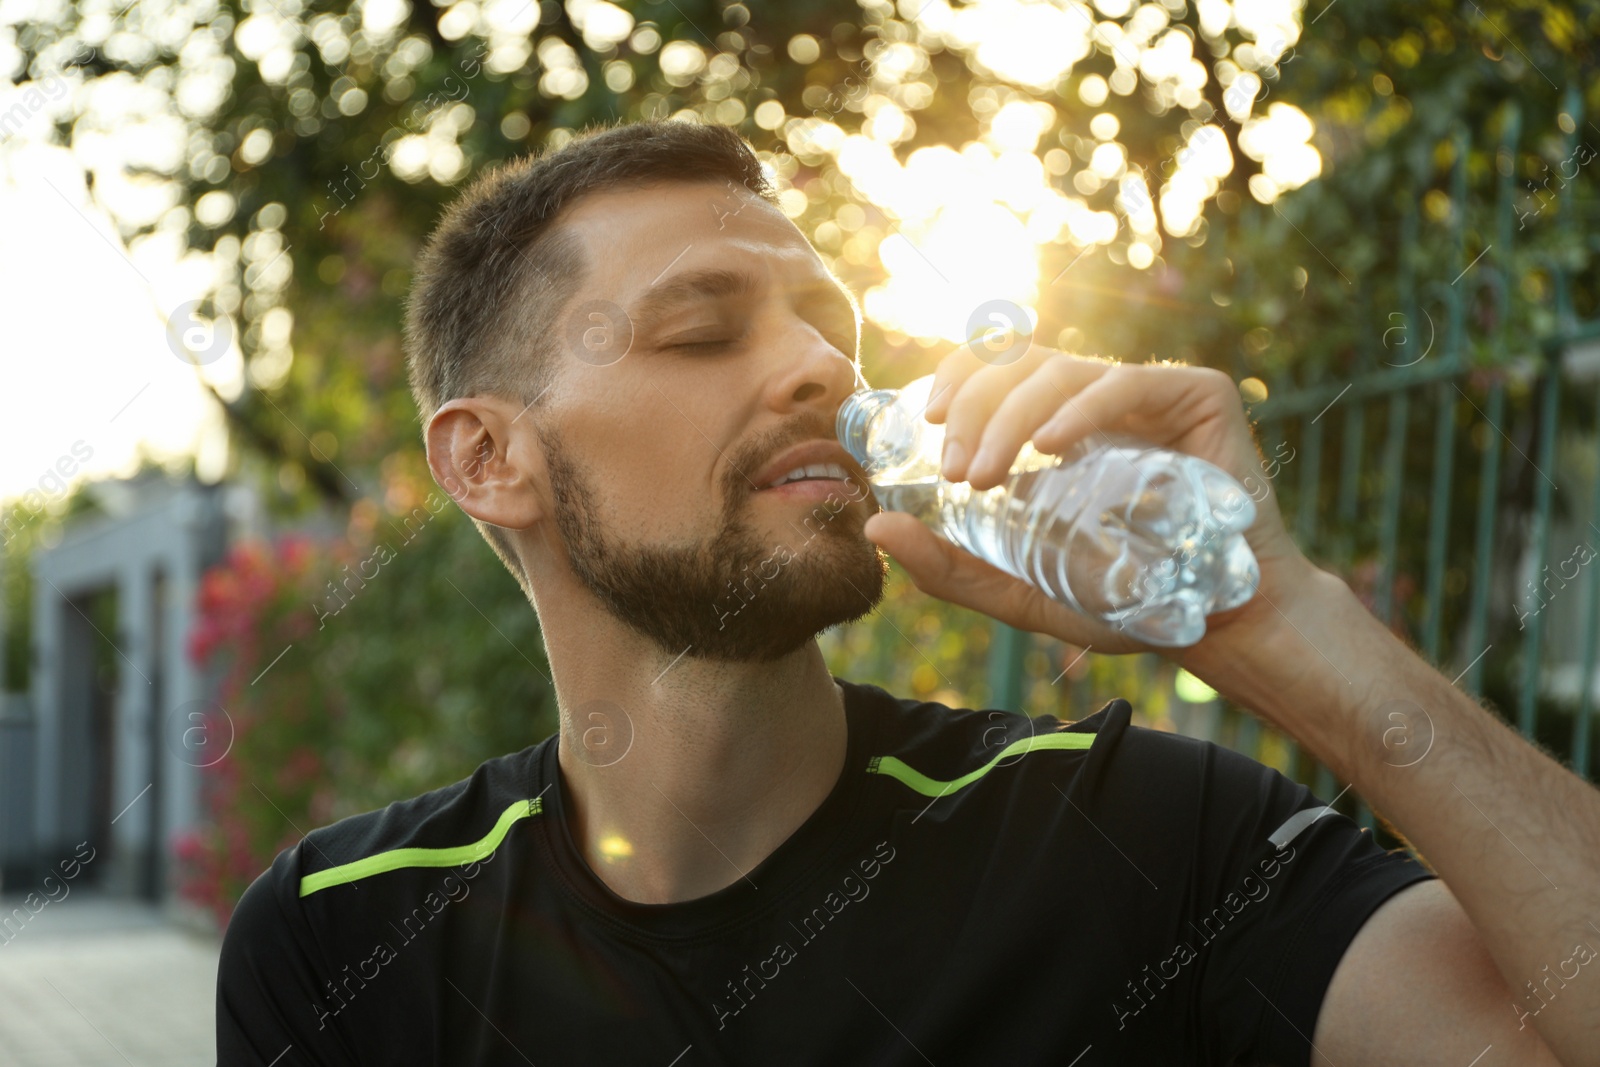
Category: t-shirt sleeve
[1284,884]
[272,1010]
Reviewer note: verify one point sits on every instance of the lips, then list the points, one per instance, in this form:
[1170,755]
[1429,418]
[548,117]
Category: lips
[833,471]
[819,460]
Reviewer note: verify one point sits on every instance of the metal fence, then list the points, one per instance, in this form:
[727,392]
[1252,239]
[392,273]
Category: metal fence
[1453,480]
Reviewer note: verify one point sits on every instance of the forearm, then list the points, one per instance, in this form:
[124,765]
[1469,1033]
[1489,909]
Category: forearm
[1515,835]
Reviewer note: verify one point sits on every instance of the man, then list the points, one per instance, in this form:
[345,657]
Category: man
[628,361]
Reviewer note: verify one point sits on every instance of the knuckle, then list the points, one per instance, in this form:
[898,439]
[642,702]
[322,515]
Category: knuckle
[940,578]
[961,363]
[967,404]
[957,412]
[1065,369]
[1024,603]
[949,366]
[1061,365]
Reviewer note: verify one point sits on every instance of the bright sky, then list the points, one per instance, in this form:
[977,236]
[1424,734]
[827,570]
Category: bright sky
[85,354]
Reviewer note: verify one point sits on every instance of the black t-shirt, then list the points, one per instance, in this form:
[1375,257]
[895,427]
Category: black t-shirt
[979,887]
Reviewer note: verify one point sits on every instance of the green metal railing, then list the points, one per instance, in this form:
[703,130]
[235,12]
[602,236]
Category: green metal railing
[1437,517]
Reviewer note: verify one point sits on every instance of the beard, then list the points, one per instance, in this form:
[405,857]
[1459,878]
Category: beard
[733,596]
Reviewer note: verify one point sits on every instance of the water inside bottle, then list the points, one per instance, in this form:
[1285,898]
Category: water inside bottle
[1147,539]
[1141,541]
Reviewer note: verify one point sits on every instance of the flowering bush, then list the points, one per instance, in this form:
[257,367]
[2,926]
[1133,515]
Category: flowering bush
[272,778]
[352,674]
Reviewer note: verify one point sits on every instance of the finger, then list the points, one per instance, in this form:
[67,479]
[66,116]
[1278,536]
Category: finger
[975,402]
[943,570]
[939,568]
[1148,393]
[960,365]
[1024,410]
[953,370]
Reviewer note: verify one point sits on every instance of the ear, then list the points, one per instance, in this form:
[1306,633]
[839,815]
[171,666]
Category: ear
[488,465]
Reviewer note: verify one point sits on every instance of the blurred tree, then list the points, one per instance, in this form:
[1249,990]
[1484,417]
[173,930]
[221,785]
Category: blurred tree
[314,148]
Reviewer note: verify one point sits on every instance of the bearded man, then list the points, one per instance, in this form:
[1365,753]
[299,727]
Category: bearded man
[628,362]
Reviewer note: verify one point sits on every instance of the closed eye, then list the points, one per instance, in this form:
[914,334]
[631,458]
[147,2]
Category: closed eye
[719,343]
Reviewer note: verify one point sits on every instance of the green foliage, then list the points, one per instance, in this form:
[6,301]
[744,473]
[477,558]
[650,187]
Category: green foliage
[21,534]
[307,160]
[335,700]
[421,711]
[1303,291]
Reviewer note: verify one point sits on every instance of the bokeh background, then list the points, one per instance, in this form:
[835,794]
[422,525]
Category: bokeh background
[234,609]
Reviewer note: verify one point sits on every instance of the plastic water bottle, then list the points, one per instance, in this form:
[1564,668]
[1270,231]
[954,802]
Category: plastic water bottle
[1146,539]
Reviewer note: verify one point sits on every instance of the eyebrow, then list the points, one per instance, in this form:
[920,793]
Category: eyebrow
[710,283]
[713,283]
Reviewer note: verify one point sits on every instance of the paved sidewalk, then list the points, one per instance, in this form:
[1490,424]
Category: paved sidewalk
[91,981]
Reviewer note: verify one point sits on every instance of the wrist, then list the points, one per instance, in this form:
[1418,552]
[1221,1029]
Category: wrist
[1292,659]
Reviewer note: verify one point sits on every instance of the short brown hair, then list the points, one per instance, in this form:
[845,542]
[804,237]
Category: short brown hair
[496,273]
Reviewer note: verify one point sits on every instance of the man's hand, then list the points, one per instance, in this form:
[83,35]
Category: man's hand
[1055,400]
[1515,836]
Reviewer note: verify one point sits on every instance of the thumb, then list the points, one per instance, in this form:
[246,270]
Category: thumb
[943,570]
[915,547]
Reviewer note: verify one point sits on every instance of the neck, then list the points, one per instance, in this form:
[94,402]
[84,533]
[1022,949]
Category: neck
[683,774]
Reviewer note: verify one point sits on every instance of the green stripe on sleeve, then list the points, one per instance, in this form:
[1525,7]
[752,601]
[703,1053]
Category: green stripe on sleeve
[932,787]
[397,858]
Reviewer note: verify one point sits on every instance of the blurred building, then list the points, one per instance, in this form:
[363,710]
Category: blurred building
[104,748]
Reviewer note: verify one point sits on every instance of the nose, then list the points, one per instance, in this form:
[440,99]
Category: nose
[811,374]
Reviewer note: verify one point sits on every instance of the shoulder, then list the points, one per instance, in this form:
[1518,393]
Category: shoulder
[449,826]
[934,749]
[456,824]
[323,901]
